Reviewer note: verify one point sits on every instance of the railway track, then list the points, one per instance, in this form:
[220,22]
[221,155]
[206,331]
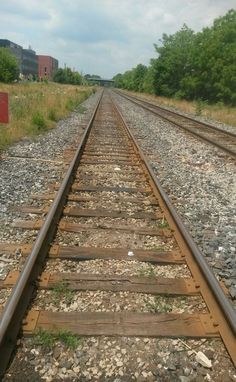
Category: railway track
[114,210]
[220,138]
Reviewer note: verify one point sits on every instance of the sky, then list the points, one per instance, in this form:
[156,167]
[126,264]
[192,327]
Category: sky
[103,37]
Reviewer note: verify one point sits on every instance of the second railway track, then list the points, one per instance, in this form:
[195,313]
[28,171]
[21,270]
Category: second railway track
[222,139]
[114,211]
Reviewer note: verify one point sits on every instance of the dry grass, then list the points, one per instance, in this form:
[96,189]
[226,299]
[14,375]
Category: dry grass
[218,112]
[36,107]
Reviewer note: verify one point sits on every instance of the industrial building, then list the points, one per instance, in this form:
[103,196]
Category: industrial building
[47,66]
[30,65]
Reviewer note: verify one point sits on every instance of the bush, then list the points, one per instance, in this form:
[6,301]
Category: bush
[39,121]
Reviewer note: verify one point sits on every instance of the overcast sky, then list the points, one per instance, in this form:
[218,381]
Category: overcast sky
[102,36]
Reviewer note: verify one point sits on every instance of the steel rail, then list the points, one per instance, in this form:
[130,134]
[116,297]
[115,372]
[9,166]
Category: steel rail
[19,300]
[224,304]
[138,101]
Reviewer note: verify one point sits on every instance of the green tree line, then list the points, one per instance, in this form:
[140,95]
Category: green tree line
[67,76]
[191,65]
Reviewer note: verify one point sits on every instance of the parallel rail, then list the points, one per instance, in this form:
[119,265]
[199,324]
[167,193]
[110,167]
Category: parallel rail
[108,141]
[222,139]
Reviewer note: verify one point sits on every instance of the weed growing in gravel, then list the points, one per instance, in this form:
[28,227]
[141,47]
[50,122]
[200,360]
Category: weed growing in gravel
[158,305]
[62,291]
[163,224]
[147,272]
[47,339]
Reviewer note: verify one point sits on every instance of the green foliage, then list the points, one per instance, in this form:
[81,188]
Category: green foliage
[66,76]
[147,272]
[8,66]
[47,339]
[62,291]
[39,121]
[191,65]
[132,79]
[163,224]
[158,304]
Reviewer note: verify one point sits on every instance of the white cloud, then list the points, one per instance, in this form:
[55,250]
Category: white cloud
[102,36]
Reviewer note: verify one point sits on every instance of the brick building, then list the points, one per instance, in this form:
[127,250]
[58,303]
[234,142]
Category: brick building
[47,67]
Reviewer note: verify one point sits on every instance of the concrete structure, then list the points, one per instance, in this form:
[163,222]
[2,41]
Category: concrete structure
[101,82]
[29,63]
[47,66]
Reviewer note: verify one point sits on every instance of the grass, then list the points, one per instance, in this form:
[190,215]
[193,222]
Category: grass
[163,224]
[158,305]
[62,291]
[36,107]
[218,112]
[148,272]
[47,339]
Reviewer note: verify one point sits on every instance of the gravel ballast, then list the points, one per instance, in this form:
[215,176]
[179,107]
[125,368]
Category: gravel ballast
[101,358]
[29,167]
[200,179]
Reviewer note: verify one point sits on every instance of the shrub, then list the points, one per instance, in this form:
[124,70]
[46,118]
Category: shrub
[39,121]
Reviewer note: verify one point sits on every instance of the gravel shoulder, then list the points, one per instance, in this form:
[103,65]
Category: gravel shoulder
[29,167]
[200,180]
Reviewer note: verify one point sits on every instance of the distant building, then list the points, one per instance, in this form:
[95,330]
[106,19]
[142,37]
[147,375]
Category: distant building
[29,63]
[47,66]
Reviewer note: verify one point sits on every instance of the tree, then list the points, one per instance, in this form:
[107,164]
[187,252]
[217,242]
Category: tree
[173,62]
[191,65]
[8,66]
[118,78]
[138,75]
[148,80]
[66,76]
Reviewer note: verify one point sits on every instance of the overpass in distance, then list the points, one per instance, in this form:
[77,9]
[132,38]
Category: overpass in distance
[101,82]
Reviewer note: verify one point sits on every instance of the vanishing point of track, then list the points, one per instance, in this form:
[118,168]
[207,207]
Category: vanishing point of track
[110,171]
[222,139]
